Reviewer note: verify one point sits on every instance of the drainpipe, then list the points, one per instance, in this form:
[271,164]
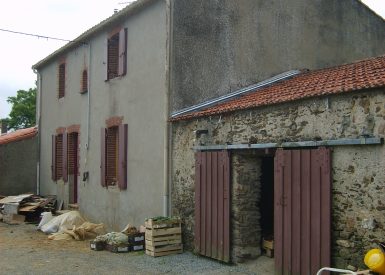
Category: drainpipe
[167,130]
[38,121]
[88,98]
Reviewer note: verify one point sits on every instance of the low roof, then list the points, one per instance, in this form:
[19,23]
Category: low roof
[103,25]
[364,74]
[18,135]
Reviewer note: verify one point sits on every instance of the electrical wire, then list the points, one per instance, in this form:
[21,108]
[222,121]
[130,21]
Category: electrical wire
[39,36]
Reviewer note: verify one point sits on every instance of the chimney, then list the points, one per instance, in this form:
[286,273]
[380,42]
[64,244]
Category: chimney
[3,126]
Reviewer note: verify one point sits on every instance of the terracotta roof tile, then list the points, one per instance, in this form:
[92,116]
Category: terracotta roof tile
[365,74]
[18,135]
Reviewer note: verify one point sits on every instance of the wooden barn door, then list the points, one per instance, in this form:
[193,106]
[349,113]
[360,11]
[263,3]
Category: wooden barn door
[302,207]
[212,205]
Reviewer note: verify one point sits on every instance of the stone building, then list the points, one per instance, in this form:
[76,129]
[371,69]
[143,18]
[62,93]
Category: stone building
[305,160]
[105,98]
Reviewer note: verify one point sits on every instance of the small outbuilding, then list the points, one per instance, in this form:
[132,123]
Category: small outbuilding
[18,162]
[298,159]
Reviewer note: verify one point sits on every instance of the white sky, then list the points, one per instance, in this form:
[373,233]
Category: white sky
[65,19]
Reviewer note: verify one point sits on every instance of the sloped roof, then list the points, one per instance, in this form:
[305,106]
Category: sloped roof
[103,25]
[364,74]
[18,135]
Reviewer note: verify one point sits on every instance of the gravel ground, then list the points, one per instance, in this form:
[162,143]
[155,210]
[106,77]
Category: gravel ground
[23,250]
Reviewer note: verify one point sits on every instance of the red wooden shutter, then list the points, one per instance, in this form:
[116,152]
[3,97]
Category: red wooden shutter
[53,165]
[103,157]
[106,59]
[122,156]
[122,52]
[65,158]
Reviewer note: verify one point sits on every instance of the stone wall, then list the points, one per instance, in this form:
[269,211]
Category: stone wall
[18,166]
[245,215]
[357,171]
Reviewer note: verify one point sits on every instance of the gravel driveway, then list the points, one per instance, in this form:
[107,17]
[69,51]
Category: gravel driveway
[23,250]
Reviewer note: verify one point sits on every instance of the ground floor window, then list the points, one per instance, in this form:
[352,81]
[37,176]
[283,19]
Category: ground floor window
[114,156]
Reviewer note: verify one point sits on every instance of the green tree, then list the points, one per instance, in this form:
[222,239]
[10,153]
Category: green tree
[23,112]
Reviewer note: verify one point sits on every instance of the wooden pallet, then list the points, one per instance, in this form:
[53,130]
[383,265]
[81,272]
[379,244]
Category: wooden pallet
[163,237]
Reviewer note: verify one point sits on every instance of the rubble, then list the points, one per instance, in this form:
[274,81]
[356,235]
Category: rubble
[25,207]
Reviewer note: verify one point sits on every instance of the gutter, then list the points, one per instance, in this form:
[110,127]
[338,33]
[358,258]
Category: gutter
[237,93]
[38,122]
[294,144]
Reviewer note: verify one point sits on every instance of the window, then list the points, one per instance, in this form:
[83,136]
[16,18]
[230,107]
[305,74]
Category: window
[116,54]
[57,157]
[84,84]
[62,76]
[114,156]
[72,153]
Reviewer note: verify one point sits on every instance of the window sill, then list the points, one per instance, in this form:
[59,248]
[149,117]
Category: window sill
[113,188]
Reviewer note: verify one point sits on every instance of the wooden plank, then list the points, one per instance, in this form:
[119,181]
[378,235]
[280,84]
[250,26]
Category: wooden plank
[163,242]
[220,209]
[325,194]
[214,238]
[296,212]
[165,238]
[203,205]
[315,210]
[226,201]
[151,224]
[164,248]
[305,214]
[165,253]
[197,211]
[208,203]
[287,213]
[278,211]
[163,231]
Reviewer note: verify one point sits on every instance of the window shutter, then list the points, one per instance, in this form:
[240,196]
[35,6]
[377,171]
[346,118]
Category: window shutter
[65,157]
[122,157]
[106,58]
[53,166]
[122,69]
[103,157]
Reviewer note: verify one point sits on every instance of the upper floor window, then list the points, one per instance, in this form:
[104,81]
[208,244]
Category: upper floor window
[117,54]
[62,76]
[84,84]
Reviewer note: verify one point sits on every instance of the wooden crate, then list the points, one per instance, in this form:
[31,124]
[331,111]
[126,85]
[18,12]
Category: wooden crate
[123,248]
[163,237]
[268,246]
[97,245]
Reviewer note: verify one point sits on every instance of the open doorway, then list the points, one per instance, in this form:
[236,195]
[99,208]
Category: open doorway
[73,161]
[266,204]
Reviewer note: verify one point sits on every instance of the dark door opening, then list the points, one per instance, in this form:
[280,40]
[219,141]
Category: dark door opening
[73,162]
[266,205]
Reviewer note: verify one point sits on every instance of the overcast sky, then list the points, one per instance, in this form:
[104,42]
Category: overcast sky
[65,19]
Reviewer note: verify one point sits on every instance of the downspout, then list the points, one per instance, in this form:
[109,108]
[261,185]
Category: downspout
[38,121]
[168,129]
[88,100]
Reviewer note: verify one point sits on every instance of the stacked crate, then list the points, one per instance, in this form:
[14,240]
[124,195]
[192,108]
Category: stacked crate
[163,237]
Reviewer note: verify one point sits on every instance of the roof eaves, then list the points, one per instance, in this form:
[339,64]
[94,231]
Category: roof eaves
[129,10]
[18,135]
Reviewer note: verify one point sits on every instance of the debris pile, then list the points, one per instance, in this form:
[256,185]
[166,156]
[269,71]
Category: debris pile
[69,226]
[25,207]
